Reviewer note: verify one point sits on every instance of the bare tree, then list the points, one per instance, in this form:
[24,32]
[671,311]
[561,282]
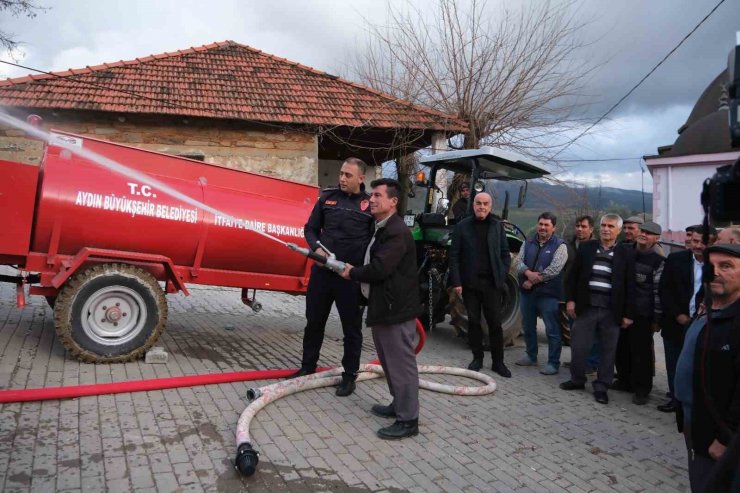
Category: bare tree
[16,8]
[514,76]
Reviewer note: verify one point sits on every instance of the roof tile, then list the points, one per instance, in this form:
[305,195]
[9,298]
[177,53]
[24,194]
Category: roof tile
[222,80]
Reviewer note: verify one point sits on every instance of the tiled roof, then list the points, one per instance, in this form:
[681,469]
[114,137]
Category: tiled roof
[222,80]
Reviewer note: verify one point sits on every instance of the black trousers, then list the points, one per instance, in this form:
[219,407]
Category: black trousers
[484,298]
[324,289]
[636,357]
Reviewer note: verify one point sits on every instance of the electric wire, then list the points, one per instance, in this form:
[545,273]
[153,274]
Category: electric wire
[621,100]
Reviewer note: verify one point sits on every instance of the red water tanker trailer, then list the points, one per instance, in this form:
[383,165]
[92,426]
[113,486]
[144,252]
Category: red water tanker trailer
[97,244]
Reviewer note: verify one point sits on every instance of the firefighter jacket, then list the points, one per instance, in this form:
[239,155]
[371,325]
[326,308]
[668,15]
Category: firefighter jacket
[342,222]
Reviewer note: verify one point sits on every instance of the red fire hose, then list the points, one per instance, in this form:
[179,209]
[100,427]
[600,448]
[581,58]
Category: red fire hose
[74,391]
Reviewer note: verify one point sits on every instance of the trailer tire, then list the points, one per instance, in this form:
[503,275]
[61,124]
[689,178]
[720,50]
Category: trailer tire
[91,304]
[511,322]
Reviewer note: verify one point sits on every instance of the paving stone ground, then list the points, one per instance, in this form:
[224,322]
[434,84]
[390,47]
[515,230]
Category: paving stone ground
[528,436]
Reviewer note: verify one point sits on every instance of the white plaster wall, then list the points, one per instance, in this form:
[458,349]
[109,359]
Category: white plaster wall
[676,195]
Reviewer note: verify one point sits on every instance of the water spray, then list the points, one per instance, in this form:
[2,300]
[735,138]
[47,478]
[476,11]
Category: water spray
[122,170]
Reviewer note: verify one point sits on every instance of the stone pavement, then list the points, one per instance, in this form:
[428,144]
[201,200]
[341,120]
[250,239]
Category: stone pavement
[528,436]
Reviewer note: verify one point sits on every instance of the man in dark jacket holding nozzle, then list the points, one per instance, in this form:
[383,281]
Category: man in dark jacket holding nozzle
[389,282]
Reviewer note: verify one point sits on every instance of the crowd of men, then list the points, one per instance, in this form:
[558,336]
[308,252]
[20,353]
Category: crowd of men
[617,295]
[617,290]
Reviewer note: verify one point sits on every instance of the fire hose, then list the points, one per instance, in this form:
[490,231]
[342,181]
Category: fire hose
[247,457]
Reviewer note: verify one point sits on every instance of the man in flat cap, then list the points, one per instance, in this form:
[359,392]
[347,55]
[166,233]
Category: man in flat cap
[708,377]
[635,358]
[632,229]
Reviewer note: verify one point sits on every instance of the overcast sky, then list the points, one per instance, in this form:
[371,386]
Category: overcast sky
[629,38]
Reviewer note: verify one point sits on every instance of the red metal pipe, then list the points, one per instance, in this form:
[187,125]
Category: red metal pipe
[75,391]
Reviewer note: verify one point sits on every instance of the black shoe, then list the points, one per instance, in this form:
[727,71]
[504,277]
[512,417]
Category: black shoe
[302,372]
[399,430]
[383,411]
[476,364]
[569,385]
[621,386]
[347,385]
[668,407]
[639,400]
[501,369]
[601,397]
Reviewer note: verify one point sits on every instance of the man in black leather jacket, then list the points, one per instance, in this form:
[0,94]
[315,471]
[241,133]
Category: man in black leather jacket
[479,264]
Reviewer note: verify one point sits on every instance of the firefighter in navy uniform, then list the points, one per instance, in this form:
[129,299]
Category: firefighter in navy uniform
[342,222]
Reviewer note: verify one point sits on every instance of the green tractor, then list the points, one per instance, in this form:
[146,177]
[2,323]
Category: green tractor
[431,228]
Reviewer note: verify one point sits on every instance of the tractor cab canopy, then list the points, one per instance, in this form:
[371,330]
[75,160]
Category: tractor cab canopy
[491,163]
[486,163]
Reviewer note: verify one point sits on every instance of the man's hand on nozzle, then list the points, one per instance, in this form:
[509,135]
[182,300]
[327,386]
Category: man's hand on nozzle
[345,272]
[457,290]
[321,251]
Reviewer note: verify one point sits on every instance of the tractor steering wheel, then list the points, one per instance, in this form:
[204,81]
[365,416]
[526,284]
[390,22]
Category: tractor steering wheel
[516,229]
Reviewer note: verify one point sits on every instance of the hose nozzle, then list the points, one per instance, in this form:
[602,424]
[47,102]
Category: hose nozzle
[330,262]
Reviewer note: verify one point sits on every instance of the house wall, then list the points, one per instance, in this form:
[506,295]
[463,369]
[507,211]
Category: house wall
[278,152]
[677,185]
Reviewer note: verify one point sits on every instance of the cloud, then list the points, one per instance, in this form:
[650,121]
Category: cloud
[626,38]
[17,55]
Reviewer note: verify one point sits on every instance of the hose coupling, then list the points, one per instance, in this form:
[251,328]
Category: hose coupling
[253,394]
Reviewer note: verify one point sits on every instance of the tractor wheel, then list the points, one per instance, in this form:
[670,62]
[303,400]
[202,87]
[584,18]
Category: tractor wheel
[511,319]
[110,313]
[51,300]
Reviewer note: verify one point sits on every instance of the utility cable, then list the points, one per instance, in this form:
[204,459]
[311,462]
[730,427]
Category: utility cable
[621,100]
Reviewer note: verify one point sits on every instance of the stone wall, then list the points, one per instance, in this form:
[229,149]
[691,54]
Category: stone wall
[273,151]
[329,173]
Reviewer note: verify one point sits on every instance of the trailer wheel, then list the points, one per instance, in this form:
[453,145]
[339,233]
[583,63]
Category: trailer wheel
[110,313]
[511,321]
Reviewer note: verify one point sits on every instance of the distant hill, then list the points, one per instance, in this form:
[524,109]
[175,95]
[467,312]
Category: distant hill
[566,202]
[545,196]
